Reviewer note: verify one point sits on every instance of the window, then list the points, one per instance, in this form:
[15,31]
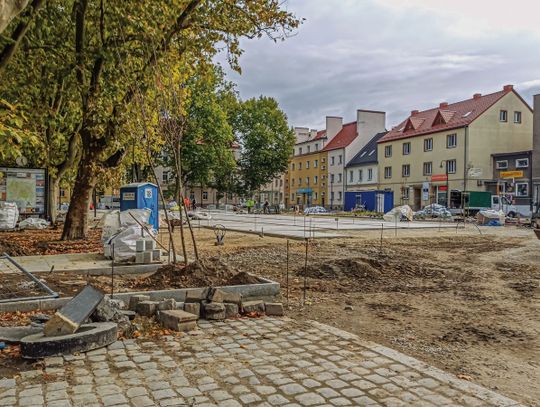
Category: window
[324,167]
[387,172]
[522,163]
[292,197]
[522,189]
[62,192]
[517,117]
[292,167]
[331,195]
[428,168]
[339,196]
[360,175]
[277,183]
[339,177]
[292,182]
[315,179]
[501,165]
[406,148]
[299,182]
[451,166]
[299,166]
[351,176]
[316,195]
[331,178]
[370,174]
[317,147]
[205,195]
[307,180]
[388,151]
[323,160]
[405,193]
[315,163]
[451,140]
[340,159]
[165,176]
[406,170]
[308,149]
[503,116]
[428,144]
[299,150]
[332,160]
[307,164]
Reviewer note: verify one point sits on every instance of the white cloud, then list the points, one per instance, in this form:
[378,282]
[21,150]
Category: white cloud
[392,55]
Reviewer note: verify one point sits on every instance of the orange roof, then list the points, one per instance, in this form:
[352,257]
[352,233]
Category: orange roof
[345,137]
[445,117]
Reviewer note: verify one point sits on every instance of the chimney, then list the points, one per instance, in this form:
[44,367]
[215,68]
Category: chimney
[312,133]
[508,88]
[333,126]
[477,96]
[443,105]
[302,134]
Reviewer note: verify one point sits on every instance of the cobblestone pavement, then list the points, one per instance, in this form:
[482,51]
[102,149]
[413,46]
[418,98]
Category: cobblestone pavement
[255,362]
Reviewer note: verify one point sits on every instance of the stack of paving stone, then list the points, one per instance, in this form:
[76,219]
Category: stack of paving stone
[208,303]
[146,251]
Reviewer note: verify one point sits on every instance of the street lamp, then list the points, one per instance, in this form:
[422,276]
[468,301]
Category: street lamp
[447,185]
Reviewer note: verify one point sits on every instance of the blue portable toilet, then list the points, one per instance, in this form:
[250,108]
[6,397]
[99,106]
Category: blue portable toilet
[376,201]
[141,195]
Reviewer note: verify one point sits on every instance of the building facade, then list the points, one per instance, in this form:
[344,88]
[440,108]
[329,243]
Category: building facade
[512,177]
[450,148]
[362,170]
[344,146]
[536,154]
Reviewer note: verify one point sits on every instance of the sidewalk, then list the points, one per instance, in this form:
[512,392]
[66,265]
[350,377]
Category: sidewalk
[255,362]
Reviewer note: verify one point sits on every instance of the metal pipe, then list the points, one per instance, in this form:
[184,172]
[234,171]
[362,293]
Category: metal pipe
[36,280]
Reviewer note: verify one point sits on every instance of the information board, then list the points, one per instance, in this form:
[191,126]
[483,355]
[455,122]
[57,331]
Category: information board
[26,187]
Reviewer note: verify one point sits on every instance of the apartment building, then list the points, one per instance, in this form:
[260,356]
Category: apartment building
[351,138]
[451,147]
[536,153]
[305,183]
[273,192]
[362,170]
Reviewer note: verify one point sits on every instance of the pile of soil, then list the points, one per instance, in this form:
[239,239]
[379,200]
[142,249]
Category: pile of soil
[212,271]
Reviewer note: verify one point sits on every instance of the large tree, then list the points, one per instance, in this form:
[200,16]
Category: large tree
[266,141]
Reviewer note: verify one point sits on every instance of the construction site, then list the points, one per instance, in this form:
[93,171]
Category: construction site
[460,297]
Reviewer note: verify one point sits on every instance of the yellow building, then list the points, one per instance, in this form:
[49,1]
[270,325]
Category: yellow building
[305,182]
[450,147]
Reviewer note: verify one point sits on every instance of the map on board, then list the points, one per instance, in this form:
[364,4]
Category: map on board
[22,191]
[24,186]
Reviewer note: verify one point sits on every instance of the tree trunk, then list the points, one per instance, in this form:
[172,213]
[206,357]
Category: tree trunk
[76,224]
[52,205]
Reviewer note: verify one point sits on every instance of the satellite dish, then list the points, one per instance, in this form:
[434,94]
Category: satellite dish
[21,161]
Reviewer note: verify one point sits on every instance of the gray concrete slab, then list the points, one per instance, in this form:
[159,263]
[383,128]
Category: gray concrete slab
[313,226]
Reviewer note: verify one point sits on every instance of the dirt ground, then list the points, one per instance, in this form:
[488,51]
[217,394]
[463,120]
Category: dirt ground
[464,302]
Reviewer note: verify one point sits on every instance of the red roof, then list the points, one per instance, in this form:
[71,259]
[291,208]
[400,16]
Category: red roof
[445,117]
[345,137]
[320,134]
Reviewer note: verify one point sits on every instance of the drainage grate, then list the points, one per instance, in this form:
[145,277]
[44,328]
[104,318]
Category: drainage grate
[18,284]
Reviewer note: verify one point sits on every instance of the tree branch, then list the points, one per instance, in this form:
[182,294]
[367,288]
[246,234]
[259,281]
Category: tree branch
[19,33]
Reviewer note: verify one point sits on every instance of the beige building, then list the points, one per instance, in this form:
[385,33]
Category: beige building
[273,192]
[450,147]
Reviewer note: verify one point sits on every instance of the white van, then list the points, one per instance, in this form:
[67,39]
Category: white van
[501,203]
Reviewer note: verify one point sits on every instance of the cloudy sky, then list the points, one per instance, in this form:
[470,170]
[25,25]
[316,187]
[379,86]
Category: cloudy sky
[393,55]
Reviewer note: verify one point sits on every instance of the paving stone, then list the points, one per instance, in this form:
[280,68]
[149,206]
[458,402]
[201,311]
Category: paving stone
[340,401]
[136,391]
[249,398]
[309,399]
[113,400]
[31,401]
[293,388]
[142,401]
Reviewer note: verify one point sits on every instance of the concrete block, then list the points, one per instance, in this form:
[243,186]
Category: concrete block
[135,299]
[180,305]
[274,308]
[196,295]
[231,310]
[167,304]
[214,311]
[149,245]
[156,255]
[253,306]
[70,317]
[216,295]
[177,320]
[139,257]
[147,308]
[139,245]
[193,308]
[232,298]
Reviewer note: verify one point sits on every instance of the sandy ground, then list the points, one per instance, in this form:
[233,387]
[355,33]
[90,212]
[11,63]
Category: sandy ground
[460,300]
